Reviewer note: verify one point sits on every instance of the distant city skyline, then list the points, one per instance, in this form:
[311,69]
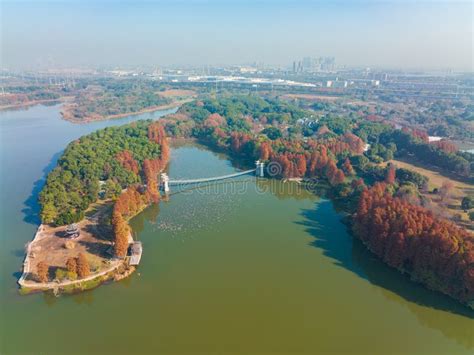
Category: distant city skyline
[380,34]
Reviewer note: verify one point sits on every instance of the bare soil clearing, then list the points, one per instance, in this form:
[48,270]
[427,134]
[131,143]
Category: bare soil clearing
[452,204]
[52,246]
[177,93]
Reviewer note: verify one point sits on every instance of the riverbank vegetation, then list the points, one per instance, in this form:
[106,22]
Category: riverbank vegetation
[99,102]
[107,98]
[389,208]
[347,155]
[118,167]
[105,162]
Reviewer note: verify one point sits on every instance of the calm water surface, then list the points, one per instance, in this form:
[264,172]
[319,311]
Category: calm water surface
[248,267]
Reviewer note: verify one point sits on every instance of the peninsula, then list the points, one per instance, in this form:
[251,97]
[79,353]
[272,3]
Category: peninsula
[101,181]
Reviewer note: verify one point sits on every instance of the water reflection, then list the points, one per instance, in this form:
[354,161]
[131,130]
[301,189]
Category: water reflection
[350,254]
[31,210]
[149,214]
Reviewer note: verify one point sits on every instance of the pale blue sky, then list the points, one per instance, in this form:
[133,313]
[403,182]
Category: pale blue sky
[396,34]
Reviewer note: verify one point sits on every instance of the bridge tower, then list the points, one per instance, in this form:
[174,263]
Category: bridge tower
[259,168]
[164,181]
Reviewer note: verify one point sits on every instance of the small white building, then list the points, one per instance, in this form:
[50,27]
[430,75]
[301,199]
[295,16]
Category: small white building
[434,139]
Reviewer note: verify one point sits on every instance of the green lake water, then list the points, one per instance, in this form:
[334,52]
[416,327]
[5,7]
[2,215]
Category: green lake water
[243,267]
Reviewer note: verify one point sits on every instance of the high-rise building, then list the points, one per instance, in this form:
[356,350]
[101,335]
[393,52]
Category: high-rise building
[314,65]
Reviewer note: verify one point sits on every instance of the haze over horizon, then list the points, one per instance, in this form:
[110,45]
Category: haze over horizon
[395,34]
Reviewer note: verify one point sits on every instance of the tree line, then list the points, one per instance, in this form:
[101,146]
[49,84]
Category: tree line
[434,251]
[109,159]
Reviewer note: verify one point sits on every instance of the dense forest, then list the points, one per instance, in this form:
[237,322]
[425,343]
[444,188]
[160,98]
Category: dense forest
[410,238]
[105,162]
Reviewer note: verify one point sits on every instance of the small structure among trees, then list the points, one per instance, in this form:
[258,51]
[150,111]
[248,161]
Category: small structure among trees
[135,253]
[72,231]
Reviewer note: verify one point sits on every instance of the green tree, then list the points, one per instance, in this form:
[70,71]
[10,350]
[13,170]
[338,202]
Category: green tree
[467,203]
[49,213]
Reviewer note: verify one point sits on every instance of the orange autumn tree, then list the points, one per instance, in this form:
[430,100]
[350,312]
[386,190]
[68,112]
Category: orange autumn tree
[390,175]
[134,198]
[71,265]
[152,167]
[446,146]
[125,158]
[347,167]
[121,232]
[83,268]
[412,239]
[129,203]
[42,270]
[301,165]
[157,134]
[265,150]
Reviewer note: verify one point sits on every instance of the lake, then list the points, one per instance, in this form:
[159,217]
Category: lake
[248,266]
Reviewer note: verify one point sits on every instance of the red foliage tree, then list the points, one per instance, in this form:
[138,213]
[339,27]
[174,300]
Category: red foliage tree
[238,141]
[265,150]
[71,265]
[356,145]
[156,133]
[83,268]
[338,178]
[301,165]
[347,167]
[125,158]
[417,134]
[331,170]
[446,146]
[214,120]
[390,175]
[434,250]
[121,232]
[42,271]
[151,169]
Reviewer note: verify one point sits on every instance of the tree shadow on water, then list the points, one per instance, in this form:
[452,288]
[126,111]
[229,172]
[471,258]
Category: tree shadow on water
[333,238]
[32,207]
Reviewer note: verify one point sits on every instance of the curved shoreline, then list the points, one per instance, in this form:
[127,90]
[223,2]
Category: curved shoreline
[65,115]
[31,286]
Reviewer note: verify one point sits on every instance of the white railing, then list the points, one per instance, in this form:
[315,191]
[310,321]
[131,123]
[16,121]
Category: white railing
[216,178]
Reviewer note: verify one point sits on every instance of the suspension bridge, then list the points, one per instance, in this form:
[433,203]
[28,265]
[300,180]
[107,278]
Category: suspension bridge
[166,182]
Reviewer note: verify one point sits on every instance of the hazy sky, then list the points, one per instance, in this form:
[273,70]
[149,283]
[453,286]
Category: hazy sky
[395,33]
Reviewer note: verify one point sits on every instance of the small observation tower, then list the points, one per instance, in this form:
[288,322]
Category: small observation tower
[72,231]
[165,182]
[259,168]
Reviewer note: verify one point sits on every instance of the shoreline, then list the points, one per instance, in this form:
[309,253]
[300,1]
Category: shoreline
[14,107]
[65,116]
[28,286]
[117,269]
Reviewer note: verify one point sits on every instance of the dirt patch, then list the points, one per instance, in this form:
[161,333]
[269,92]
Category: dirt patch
[436,178]
[449,207]
[54,247]
[177,93]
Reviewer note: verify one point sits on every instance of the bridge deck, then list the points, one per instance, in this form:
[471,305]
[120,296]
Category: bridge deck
[216,178]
